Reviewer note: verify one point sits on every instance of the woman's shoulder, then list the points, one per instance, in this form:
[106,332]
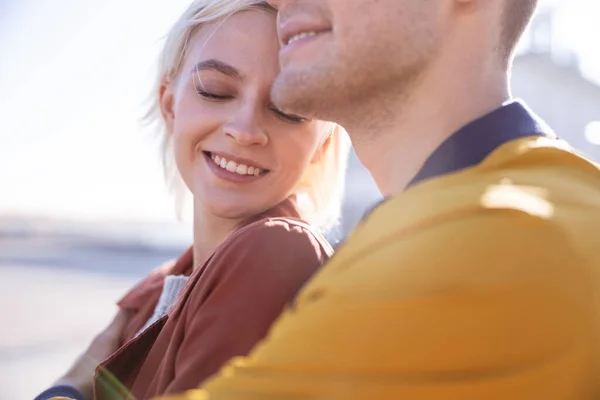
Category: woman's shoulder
[278,234]
[280,247]
[273,257]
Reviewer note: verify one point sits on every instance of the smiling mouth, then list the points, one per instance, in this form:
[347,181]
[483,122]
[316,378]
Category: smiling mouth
[234,167]
[297,37]
[300,36]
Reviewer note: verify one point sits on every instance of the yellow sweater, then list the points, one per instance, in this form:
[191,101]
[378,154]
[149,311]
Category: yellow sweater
[482,284]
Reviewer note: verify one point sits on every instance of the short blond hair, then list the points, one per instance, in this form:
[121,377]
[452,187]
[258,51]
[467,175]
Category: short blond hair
[320,191]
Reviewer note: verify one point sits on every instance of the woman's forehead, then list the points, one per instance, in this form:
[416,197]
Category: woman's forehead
[247,41]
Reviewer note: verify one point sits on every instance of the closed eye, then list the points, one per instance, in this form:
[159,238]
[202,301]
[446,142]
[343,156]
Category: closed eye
[212,96]
[296,119]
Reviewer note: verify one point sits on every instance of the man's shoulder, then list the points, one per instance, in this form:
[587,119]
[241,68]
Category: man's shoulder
[541,154]
[534,198]
[535,178]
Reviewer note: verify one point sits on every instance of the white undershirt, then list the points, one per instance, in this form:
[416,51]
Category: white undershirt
[172,287]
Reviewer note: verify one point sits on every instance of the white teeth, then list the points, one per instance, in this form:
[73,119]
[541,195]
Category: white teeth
[241,169]
[299,36]
[232,166]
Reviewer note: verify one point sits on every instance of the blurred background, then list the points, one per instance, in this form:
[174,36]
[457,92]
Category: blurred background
[84,212]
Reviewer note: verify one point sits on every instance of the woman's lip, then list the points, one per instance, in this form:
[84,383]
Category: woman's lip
[237,160]
[228,175]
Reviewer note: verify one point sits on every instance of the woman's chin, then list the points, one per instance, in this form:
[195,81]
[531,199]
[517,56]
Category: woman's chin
[235,206]
[234,211]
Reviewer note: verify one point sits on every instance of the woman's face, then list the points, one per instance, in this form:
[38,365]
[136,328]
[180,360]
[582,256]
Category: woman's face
[237,153]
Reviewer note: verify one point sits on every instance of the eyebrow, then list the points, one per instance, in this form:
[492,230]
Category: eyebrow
[219,66]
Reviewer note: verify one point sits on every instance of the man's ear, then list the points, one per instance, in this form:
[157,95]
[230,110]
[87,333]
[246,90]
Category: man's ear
[166,103]
[322,149]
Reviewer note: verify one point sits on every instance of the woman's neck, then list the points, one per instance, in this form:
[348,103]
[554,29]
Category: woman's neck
[209,232]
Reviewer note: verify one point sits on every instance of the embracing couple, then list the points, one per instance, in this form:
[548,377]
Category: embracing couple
[477,278]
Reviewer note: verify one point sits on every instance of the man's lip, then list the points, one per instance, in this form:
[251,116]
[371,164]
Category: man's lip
[290,28]
[238,160]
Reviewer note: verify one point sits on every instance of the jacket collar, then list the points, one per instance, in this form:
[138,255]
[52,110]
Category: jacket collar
[470,145]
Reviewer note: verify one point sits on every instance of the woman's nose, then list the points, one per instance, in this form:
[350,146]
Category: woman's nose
[247,129]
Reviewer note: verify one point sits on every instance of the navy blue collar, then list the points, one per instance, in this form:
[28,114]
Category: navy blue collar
[473,143]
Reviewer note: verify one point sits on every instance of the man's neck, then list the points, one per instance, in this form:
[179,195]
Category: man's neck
[395,148]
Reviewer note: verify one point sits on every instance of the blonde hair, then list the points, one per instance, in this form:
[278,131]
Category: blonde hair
[320,191]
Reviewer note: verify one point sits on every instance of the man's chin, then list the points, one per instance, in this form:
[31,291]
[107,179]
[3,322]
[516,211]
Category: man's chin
[295,93]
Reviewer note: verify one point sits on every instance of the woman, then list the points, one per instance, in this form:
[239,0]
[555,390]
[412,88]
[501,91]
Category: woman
[256,174]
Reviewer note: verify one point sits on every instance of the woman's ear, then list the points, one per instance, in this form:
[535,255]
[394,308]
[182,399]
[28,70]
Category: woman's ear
[166,103]
[322,149]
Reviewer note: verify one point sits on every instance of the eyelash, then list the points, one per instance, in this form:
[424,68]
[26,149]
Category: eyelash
[290,118]
[287,117]
[212,96]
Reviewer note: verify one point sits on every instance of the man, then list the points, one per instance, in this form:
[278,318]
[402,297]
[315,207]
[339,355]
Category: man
[478,277]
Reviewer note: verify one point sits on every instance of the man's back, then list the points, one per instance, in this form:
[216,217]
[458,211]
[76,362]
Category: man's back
[480,284]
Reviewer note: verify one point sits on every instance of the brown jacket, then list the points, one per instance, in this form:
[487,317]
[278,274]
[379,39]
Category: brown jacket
[226,307]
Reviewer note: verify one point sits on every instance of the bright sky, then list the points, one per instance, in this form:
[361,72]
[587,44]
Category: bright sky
[74,76]
[577,27]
